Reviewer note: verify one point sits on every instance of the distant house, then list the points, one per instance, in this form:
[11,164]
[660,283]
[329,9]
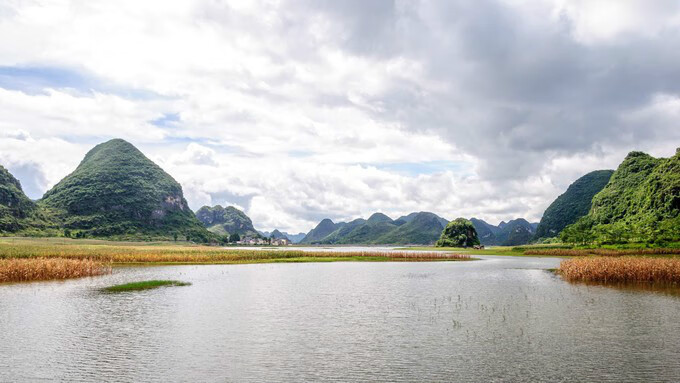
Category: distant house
[280,242]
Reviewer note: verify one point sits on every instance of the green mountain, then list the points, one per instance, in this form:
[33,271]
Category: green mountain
[512,233]
[459,233]
[229,220]
[423,228]
[17,212]
[116,191]
[416,228]
[321,231]
[515,232]
[486,232]
[573,204]
[641,203]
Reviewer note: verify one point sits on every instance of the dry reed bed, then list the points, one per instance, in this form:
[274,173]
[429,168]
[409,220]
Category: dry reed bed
[38,269]
[621,269]
[602,252]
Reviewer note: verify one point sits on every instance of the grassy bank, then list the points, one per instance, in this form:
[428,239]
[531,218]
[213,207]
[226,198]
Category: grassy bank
[39,269]
[674,252]
[557,251]
[622,269]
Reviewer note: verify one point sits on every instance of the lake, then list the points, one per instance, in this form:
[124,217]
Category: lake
[497,319]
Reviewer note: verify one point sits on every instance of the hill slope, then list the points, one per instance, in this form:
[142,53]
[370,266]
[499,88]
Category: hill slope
[641,203]
[229,220]
[573,204]
[117,191]
[321,231]
[17,212]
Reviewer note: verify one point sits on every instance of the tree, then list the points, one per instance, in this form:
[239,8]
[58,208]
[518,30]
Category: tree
[579,232]
[458,233]
[234,237]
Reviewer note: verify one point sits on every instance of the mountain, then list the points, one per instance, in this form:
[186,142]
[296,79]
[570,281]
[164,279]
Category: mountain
[415,228]
[515,232]
[641,203]
[294,238]
[117,191]
[17,211]
[485,231]
[423,228]
[321,231]
[408,218]
[512,233]
[229,220]
[277,235]
[573,204]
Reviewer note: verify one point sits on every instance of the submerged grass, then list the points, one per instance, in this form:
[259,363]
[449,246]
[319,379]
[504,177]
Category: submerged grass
[622,269]
[40,269]
[144,285]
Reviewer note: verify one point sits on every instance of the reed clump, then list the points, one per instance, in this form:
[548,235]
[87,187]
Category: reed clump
[602,252]
[621,269]
[40,269]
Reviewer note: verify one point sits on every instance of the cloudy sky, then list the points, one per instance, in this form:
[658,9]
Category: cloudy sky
[300,110]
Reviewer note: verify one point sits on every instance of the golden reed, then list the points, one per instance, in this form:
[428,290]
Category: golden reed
[621,269]
[38,269]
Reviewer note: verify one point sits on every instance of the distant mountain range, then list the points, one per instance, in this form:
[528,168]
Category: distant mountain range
[512,233]
[293,238]
[421,228]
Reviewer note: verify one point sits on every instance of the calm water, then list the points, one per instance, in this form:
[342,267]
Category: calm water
[499,319]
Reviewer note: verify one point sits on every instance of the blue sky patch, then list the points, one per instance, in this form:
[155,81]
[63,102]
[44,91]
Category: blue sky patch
[35,79]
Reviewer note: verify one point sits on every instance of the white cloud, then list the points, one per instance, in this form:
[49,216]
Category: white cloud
[297,110]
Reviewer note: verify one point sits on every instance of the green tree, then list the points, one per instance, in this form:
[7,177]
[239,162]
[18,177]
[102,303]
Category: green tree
[458,233]
[234,237]
[580,232]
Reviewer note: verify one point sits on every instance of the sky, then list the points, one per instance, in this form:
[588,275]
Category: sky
[301,110]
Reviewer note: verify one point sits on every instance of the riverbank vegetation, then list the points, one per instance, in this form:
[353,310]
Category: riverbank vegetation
[40,269]
[622,269]
[24,259]
[144,285]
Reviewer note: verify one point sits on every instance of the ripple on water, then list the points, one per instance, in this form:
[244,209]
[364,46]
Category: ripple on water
[500,319]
